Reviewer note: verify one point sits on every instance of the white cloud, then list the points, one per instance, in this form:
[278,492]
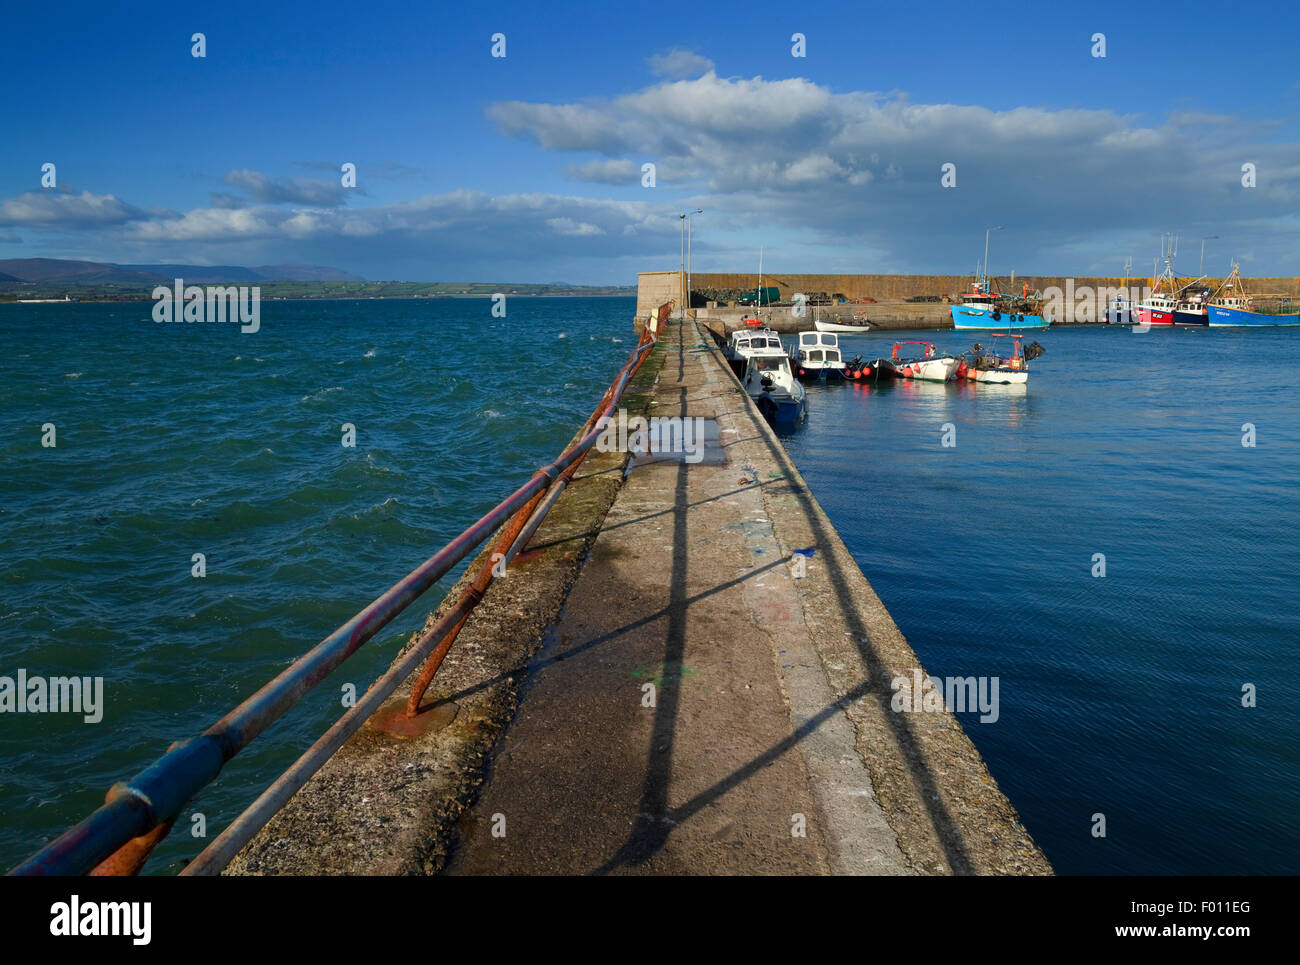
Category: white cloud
[679,63]
[622,172]
[287,190]
[57,209]
[863,168]
[567,226]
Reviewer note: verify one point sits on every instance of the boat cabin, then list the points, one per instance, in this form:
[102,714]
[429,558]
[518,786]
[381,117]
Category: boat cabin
[745,343]
[820,347]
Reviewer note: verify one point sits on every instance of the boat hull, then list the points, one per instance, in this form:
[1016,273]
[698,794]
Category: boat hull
[999,376]
[838,327]
[817,373]
[1154,316]
[780,408]
[981,318]
[927,370]
[1191,318]
[1220,317]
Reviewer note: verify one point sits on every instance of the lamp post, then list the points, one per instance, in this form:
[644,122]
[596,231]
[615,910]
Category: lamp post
[689,264]
[1203,241]
[986,248]
[681,279]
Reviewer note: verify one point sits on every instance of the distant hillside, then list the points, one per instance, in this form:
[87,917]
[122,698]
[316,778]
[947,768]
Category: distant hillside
[46,271]
[305,273]
[85,288]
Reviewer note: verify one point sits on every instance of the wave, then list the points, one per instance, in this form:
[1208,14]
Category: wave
[322,393]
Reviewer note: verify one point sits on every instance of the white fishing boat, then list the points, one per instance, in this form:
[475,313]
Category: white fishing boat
[745,342]
[991,367]
[817,356]
[843,327]
[929,366]
[773,387]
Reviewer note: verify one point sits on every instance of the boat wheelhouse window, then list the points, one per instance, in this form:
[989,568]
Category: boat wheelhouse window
[768,365]
[816,355]
[773,343]
[832,355]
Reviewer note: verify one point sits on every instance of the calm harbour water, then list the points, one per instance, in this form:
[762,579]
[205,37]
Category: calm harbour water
[1119,695]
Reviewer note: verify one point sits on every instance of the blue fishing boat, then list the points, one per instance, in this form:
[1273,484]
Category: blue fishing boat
[1231,305]
[984,308]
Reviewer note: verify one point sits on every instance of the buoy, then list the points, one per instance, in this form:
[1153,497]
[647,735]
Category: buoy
[866,372]
[907,371]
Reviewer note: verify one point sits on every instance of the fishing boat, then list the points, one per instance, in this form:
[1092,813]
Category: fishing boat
[845,328]
[1157,309]
[817,356]
[991,366]
[929,366]
[1193,309]
[773,387]
[1160,306]
[1231,305]
[1121,307]
[982,307]
[745,342]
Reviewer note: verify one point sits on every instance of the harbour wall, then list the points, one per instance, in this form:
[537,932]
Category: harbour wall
[891,307]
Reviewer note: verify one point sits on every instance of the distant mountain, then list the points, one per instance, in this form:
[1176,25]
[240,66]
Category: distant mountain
[59,270]
[198,274]
[304,273]
[72,272]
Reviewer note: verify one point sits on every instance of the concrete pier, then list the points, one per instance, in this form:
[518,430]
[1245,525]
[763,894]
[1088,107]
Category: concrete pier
[706,701]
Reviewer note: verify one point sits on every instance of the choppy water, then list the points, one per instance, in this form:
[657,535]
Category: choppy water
[174,440]
[1118,695]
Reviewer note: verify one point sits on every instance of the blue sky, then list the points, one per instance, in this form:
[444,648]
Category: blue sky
[527,168]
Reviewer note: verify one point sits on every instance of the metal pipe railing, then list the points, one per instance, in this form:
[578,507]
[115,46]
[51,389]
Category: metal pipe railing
[156,794]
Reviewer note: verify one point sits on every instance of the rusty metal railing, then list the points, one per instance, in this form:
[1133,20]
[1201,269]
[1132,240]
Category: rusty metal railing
[117,838]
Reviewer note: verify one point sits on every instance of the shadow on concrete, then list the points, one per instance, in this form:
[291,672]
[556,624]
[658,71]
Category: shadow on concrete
[655,820]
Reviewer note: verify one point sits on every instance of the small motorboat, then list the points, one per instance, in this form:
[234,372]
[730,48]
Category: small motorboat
[745,342]
[980,365]
[843,327]
[929,366]
[817,356]
[773,387]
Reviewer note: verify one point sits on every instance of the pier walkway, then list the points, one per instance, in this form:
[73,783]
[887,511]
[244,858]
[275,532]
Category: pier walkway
[771,693]
[695,707]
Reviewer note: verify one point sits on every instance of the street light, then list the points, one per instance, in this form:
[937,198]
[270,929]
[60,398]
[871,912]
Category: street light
[986,248]
[689,264]
[681,308]
[1203,241]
